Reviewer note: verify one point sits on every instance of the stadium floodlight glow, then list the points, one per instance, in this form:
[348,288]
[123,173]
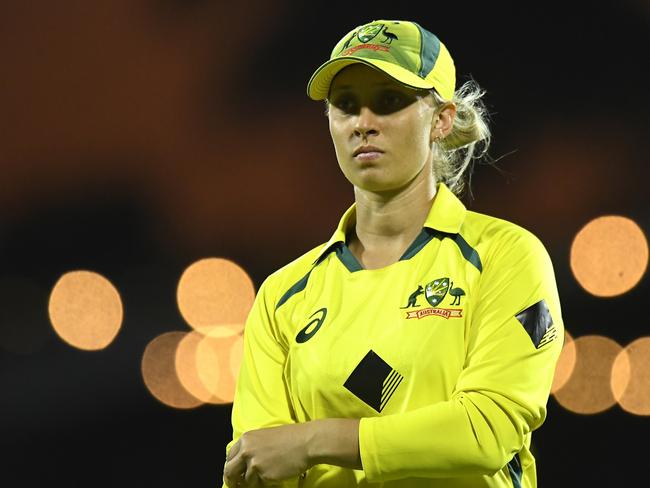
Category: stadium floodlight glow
[609,255]
[588,389]
[631,377]
[158,369]
[85,310]
[215,291]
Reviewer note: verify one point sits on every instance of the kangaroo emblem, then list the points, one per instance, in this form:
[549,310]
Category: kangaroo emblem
[414,297]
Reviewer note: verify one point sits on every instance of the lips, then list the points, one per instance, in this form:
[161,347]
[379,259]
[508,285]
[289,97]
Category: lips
[366,149]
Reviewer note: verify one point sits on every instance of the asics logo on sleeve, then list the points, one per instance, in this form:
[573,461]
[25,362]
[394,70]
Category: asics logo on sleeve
[305,333]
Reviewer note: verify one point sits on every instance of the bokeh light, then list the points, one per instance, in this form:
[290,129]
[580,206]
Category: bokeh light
[187,368]
[216,352]
[199,365]
[565,364]
[609,255]
[85,310]
[588,389]
[159,371]
[215,291]
[631,377]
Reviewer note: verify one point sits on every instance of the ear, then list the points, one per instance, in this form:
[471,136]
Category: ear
[443,121]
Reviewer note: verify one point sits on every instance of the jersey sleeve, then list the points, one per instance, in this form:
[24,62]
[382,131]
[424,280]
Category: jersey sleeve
[261,398]
[512,344]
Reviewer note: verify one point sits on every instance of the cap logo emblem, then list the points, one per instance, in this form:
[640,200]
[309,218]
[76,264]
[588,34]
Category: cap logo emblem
[368,32]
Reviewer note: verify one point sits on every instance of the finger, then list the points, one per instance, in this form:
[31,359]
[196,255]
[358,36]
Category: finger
[234,449]
[233,481]
[225,482]
[234,470]
[251,479]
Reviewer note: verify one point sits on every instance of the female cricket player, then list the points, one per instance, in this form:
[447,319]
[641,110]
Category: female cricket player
[415,348]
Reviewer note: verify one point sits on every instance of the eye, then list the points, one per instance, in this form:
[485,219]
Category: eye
[345,103]
[390,101]
[393,99]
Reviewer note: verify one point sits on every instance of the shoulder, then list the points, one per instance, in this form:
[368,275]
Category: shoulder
[486,227]
[495,239]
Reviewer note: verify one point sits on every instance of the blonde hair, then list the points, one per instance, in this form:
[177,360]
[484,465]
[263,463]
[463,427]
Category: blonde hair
[468,141]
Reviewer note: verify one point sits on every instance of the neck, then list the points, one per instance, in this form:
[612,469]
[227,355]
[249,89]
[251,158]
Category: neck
[395,215]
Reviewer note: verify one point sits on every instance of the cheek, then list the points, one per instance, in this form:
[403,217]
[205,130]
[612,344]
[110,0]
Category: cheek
[333,131]
[336,133]
[337,140]
[414,142]
[422,126]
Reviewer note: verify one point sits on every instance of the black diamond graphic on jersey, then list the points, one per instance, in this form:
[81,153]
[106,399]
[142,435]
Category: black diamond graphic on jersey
[536,319]
[373,381]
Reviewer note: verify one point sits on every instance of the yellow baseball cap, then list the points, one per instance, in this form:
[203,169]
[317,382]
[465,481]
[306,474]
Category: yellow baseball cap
[403,50]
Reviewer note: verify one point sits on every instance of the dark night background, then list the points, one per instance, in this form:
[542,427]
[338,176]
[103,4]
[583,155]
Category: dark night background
[138,136]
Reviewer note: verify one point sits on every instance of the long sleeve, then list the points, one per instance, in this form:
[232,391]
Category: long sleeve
[261,399]
[512,344]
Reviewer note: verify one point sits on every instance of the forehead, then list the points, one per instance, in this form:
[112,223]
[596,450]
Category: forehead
[362,76]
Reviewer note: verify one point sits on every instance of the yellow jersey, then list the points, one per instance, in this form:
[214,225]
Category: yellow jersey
[447,356]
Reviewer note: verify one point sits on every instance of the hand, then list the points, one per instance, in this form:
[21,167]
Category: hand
[268,455]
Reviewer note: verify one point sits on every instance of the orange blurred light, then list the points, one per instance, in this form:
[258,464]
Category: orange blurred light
[588,390]
[159,372]
[187,368]
[85,310]
[214,359]
[565,364]
[609,255]
[631,377]
[207,363]
[215,291]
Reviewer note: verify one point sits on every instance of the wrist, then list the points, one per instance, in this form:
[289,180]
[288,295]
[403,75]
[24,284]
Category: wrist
[316,439]
[335,442]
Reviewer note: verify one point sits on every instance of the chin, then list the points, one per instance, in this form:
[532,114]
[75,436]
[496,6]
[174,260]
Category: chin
[378,185]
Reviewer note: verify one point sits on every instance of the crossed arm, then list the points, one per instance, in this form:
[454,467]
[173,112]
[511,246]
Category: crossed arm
[273,454]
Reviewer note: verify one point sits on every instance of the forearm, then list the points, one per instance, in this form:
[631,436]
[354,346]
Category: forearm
[335,442]
[467,437]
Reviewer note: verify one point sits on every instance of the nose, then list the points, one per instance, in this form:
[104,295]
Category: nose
[366,123]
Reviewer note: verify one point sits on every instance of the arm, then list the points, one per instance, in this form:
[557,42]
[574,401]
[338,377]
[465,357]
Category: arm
[335,441]
[500,396]
[261,399]
[273,454]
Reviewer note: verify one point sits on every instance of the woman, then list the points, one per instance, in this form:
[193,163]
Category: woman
[416,348]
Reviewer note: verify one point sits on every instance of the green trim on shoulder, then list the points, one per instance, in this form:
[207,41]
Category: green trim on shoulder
[300,285]
[514,468]
[420,241]
[468,252]
[347,258]
[352,265]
